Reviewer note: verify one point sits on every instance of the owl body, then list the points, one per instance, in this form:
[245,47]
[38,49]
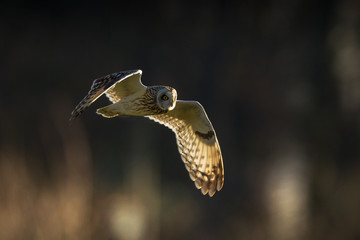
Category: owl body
[142,104]
[195,136]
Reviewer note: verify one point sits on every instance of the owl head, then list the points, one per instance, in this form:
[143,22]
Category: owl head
[166,98]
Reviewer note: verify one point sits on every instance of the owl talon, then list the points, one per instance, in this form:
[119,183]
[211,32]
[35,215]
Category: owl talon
[106,113]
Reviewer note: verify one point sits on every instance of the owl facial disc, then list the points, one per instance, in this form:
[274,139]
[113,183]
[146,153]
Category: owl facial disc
[166,98]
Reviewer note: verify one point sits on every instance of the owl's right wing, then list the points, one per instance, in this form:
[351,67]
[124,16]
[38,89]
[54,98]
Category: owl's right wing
[197,144]
[115,86]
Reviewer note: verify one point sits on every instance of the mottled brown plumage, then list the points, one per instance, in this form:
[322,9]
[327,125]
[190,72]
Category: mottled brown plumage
[195,135]
[200,151]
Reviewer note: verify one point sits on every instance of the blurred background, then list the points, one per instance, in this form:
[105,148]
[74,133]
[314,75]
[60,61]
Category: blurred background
[280,81]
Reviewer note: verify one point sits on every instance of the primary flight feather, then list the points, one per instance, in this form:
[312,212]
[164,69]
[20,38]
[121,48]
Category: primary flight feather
[195,135]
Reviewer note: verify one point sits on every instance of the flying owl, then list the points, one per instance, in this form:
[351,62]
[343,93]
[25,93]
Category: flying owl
[195,135]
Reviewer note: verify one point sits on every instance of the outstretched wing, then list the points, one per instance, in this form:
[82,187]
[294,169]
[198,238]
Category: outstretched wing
[115,86]
[197,144]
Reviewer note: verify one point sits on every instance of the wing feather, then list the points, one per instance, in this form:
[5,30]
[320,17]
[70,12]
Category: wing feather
[115,86]
[197,144]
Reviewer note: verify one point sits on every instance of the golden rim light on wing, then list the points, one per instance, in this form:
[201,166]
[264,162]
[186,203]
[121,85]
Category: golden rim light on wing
[195,136]
[197,144]
[109,84]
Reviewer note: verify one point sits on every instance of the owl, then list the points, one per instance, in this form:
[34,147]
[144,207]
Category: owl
[195,136]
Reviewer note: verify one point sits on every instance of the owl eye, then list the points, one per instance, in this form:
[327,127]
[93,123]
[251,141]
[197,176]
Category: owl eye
[164,97]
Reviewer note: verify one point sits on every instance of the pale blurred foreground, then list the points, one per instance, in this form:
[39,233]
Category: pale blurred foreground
[50,193]
[56,200]
[52,201]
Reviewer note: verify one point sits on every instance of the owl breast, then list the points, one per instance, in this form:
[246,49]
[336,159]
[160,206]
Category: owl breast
[147,103]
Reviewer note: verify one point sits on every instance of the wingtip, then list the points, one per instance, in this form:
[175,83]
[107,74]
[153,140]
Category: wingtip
[71,120]
[211,193]
[207,191]
[73,116]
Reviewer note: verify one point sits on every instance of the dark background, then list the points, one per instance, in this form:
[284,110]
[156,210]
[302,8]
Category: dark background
[280,81]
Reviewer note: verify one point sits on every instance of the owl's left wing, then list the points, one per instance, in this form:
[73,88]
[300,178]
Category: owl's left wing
[197,144]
